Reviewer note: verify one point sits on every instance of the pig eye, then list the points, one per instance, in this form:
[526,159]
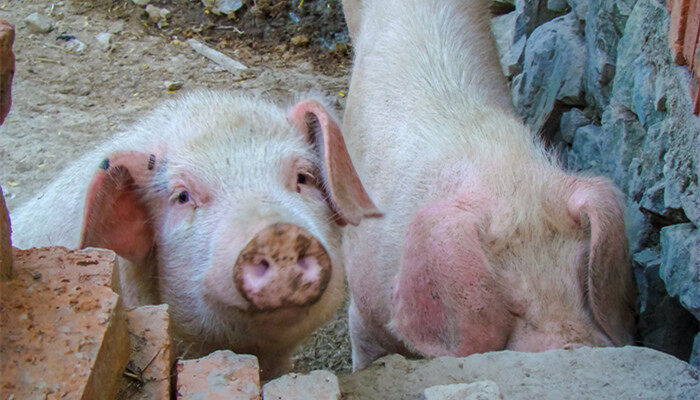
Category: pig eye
[301,179]
[183,197]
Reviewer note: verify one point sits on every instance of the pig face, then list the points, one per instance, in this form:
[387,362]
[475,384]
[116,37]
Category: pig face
[238,203]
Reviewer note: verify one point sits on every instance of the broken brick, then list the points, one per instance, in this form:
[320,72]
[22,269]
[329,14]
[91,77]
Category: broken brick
[220,375]
[318,385]
[5,241]
[63,328]
[148,372]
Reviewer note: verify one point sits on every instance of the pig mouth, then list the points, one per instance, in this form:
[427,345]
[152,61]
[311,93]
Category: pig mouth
[282,268]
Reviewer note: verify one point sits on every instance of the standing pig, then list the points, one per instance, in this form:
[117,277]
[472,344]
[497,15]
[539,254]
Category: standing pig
[226,208]
[485,244]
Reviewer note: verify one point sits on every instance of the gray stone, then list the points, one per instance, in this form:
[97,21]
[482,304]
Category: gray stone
[503,27]
[580,7]
[104,40]
[552,70]
[141,3]
[224,7]
[320,385]
[157,14]
[556,5]
[695,356]
[531,14]
[38,23]
[570,122]
[511,61]
[680,264]
[483,390]
[588,144]
[583,373]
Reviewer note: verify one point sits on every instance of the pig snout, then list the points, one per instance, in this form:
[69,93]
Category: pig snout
[282,266]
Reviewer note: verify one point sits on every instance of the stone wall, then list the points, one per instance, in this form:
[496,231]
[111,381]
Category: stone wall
[596,78]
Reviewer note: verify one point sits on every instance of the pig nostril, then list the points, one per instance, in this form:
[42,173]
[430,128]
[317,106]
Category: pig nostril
[265,264]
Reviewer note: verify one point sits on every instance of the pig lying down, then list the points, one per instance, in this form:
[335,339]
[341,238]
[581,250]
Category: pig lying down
[486,244]
[226,208]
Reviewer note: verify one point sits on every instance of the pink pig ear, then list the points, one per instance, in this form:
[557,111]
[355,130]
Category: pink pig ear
[611,290]
[116,217]
[347,196]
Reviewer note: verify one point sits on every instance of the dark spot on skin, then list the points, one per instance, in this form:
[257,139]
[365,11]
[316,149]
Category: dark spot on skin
[151,162]
[104,164]
[295,283]
[302,245]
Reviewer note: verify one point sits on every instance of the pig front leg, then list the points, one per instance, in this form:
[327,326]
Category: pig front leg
[364,348]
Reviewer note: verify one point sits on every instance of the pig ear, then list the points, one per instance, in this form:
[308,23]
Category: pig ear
[347,196]
[115,216]
[608,273]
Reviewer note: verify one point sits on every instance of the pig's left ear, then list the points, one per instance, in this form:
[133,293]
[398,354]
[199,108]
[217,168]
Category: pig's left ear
[115,216]
[607,274]
[347,196]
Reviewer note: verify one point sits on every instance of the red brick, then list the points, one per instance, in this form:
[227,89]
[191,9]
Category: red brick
[63,328]
[218,376]
[692,30]
[152,355]
[5,241]
[676,34]
[7,67]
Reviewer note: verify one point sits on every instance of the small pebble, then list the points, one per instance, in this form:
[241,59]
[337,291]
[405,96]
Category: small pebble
[141,2]
[104,40]
[300,40]
[173,86]
[36,275]
[38,23]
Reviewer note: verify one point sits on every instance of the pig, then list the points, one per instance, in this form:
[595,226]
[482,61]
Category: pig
[486,243]
[226,207]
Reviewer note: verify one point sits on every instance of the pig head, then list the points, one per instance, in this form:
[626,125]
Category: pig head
[231,216]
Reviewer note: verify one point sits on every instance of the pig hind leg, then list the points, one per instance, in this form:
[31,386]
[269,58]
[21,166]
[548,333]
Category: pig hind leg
[446,300]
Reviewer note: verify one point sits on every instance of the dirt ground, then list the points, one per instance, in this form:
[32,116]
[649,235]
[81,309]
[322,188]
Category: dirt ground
[65,102]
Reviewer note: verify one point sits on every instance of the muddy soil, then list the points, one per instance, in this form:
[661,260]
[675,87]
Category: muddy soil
[67,101]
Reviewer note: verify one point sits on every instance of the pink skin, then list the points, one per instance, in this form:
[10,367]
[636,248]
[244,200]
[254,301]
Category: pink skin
[446,300]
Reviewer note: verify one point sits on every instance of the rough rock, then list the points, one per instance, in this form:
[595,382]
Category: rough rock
[300,40]
[222,375]
[38,23]
[583,373]
[556,5]
[63,328]
[552,71]
[317,385]
[531,14]
[5,241]
[141,3]
[484,390]
[570,122]
[152,354]
[225,7]
[680,264]
[663,322]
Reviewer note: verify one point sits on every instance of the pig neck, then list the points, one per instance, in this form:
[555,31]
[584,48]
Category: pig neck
[432,65]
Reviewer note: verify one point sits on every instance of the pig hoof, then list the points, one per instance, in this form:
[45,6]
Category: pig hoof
[282,266]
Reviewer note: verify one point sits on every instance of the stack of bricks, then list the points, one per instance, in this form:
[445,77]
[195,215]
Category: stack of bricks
[683,36]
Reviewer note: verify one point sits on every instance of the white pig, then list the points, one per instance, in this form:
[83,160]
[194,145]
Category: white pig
[225,207]
[485,244]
